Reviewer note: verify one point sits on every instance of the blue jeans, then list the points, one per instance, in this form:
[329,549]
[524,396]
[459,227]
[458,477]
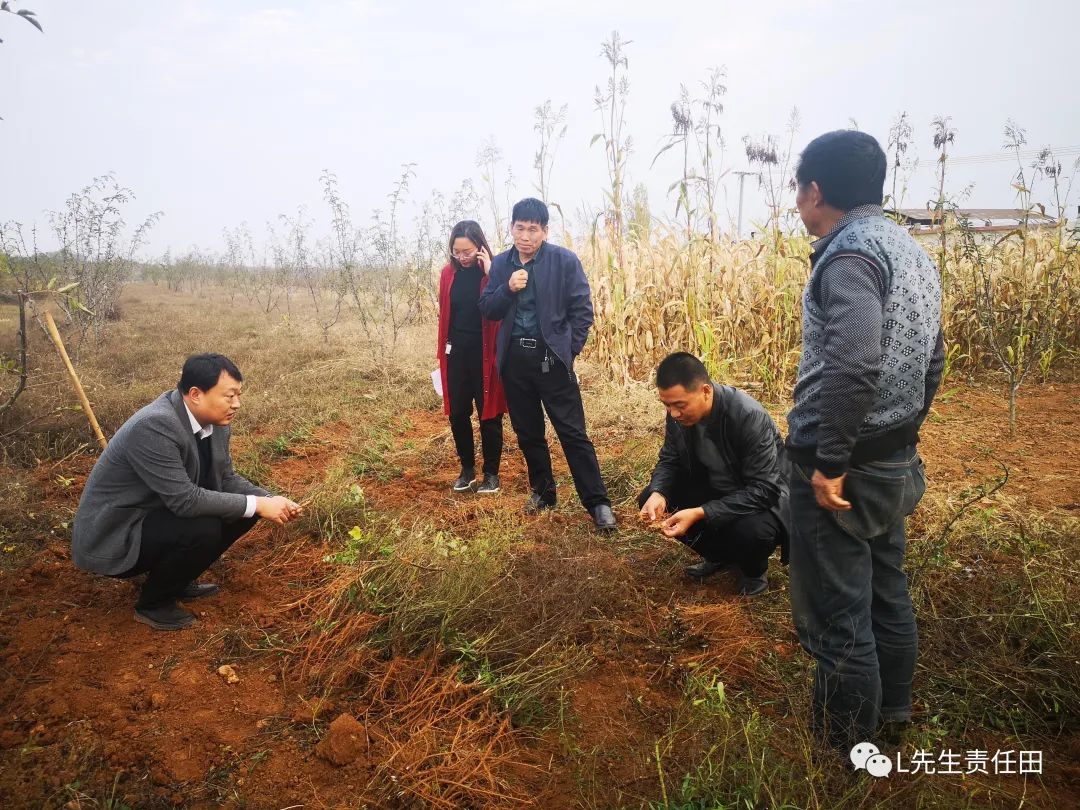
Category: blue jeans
[849,596]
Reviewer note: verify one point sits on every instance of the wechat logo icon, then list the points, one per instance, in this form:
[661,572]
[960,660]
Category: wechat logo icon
[866,755]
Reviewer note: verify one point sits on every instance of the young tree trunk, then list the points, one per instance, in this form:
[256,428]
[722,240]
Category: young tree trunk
[20,299]
[1014,389]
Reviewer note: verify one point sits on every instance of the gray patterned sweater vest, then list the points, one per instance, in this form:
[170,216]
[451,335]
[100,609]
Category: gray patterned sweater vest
[912,319]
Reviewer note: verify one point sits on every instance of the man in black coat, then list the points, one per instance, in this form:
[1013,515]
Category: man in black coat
[718,485]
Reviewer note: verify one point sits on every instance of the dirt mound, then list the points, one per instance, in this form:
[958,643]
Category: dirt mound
[346,739]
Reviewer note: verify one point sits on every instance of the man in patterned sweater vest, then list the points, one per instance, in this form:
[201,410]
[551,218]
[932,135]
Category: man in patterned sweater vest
[871,364]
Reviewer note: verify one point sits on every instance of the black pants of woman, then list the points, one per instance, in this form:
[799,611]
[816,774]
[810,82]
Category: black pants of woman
[465,385]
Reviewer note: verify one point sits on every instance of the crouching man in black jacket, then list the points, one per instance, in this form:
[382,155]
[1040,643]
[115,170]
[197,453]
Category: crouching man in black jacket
[717,486]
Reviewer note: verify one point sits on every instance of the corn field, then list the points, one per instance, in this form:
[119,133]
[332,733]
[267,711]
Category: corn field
[1026,281]
[738,305]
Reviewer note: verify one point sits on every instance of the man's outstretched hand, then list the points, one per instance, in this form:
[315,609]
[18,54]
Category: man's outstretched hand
[655,507]
[679,524]
[278,509]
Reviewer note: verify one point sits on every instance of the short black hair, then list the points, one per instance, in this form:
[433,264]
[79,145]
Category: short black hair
[849,167]
[681,368]
[530,210]
[203,371]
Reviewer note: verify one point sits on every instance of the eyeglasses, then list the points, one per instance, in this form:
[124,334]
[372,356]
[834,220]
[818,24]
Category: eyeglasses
[463,255]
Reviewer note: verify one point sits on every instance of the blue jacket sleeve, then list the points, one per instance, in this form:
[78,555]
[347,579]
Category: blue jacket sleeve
[579,309]
[496,299]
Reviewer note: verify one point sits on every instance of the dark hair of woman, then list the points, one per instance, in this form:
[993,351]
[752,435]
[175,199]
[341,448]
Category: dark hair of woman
[467,229]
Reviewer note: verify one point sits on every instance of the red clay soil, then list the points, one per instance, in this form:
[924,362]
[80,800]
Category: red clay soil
[424,485]
[969,434]
[83,677]
[87,694]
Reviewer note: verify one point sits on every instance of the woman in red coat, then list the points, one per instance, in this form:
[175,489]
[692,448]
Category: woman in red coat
[466,354]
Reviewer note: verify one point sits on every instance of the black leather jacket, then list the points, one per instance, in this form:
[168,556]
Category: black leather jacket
[748,442]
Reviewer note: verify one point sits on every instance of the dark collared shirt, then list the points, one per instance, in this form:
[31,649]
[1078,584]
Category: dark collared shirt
[526,324]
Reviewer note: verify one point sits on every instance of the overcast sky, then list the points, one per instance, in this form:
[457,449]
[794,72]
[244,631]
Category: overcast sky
[221,112]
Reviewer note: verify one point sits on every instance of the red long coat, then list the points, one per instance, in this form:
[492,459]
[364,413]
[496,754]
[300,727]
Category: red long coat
[494,397]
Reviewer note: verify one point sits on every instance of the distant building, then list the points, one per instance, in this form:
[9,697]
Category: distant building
[922,221]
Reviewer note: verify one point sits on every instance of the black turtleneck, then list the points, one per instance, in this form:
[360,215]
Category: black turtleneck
[465,323]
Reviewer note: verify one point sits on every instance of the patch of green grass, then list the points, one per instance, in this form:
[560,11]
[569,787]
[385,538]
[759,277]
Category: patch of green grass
[997,608]
[254,465]
[334,509]
[281,446]
[371,458]
[626,473]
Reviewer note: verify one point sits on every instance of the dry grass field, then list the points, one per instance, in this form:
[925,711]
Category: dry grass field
[453,652]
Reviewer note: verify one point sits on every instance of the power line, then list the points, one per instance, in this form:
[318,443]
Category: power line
[1026,154]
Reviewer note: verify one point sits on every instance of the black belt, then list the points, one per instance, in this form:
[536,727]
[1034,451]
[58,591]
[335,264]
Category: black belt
[528,343]
[866,450]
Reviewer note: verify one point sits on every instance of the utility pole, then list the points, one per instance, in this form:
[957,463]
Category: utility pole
[742,182]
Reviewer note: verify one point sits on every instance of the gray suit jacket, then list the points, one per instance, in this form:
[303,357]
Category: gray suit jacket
[151,463]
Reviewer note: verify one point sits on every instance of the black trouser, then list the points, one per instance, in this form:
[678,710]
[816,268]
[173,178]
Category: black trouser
[465,385]
[530,390]
[175,550]
[746,542]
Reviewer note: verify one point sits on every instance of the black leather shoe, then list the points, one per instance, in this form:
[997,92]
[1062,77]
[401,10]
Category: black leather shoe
[196,590]
[536,505]
[705,568]
[604,518]
[489,486]
[165,617]
[464,482]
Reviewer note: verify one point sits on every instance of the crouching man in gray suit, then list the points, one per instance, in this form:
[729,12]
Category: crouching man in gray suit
[163,499]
